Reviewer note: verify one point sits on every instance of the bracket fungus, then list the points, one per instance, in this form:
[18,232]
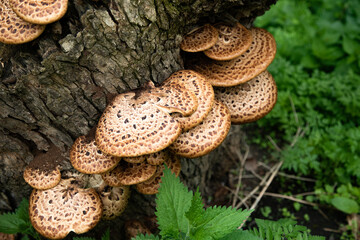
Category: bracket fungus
[232,42]
[15,30]
[205,137]
[241,69]
[39,12]
[203,91]
[132,127]
[249,101]
[200,39]
[87,158]
[56,212]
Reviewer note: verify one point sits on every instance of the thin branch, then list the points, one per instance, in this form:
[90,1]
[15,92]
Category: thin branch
[288,175]
[277,195]
[241,170]
[274,143]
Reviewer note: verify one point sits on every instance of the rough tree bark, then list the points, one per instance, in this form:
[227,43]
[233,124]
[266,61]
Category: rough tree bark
[54,89]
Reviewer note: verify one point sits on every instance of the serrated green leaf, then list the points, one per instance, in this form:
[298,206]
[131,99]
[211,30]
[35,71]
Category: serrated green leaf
[240,234]
[145,237]
[10,223]
[220,221]
[196,210]
[346,205]
[172,202]
[22,211]
[106,235]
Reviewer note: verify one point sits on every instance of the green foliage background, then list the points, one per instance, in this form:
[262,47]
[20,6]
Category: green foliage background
[317,71]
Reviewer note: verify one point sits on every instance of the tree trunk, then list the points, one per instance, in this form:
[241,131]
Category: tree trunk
[54,89]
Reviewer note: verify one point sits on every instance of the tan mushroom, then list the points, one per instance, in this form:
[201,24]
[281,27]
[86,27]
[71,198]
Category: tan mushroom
[241,69]
[15,30]
[56,212]
[43,172]
[87,158]
[152,185]
[132,125]
[200,39]
[157,158]
[232,42]
[205,137]
[115,200]
[249,101]
[203,90]
[39,12]
[135,227]
[129,174]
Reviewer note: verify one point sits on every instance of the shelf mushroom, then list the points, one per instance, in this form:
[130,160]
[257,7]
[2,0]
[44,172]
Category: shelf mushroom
[249,101]
[15,30]
[205,137]
[200,39]
[241,69]
[56,212]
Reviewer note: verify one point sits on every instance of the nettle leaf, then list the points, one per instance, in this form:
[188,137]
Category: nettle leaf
[240,234]
[172,202]
[10,223]
[218,222]
[196,210]
[22,211]
[106,235]
[346,205]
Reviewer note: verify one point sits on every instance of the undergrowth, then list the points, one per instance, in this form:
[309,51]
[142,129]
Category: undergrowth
[317,73]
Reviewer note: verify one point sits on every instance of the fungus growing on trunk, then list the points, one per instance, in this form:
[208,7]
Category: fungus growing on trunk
[200,39]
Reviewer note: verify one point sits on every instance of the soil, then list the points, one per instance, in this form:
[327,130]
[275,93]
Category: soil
[42,161]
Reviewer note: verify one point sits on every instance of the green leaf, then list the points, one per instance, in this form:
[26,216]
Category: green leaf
[106,235]
[10,223]
[172,202]
[83,238]
[350,46]
[240,234]
[146,237]
[218,222]
[346,205]
[22,211]
[196,210]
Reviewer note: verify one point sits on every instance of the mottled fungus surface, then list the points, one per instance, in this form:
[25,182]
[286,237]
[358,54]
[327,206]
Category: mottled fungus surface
[232,42]
[241,69]
[132,126]
[15,30]
[114,201]
[204,92]
[249,101]
[56,212]
[39,12]
[200,39]
[205,137]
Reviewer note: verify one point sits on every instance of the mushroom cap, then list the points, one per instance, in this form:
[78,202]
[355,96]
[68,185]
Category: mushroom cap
[135,227]
[129,174]
[132,127]
[205,137]
[87,158]
[200,39]
[241,69]
[204,92]
[42,180]
[249,101]
[152,185]
[232,42]
[57,211]
[156,158]
[5,236]
[15,30]
[39,12]
[114,201]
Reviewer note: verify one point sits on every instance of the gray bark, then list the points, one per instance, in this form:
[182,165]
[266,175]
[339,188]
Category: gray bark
[55,88]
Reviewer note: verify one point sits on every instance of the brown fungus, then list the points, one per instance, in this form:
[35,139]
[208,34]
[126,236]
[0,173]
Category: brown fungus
[200,39]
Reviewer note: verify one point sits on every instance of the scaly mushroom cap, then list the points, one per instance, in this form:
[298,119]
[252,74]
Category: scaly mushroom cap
[205,137]
[152,185]
[176,97]
[86,157]
[57,211]
[132,127]
[42,180]
[153,158]
[39,12]
[232,42]
[138,159]
[249,101]
[114,201]
[241,69]
[204,92]
[134,228]
[129,174]
[13,29]
[200,39]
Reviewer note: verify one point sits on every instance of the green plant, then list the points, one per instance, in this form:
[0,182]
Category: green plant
[18,222]
[181,215]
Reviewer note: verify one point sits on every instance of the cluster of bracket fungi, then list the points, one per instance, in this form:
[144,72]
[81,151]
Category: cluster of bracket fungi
[22,21]
[140,131]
